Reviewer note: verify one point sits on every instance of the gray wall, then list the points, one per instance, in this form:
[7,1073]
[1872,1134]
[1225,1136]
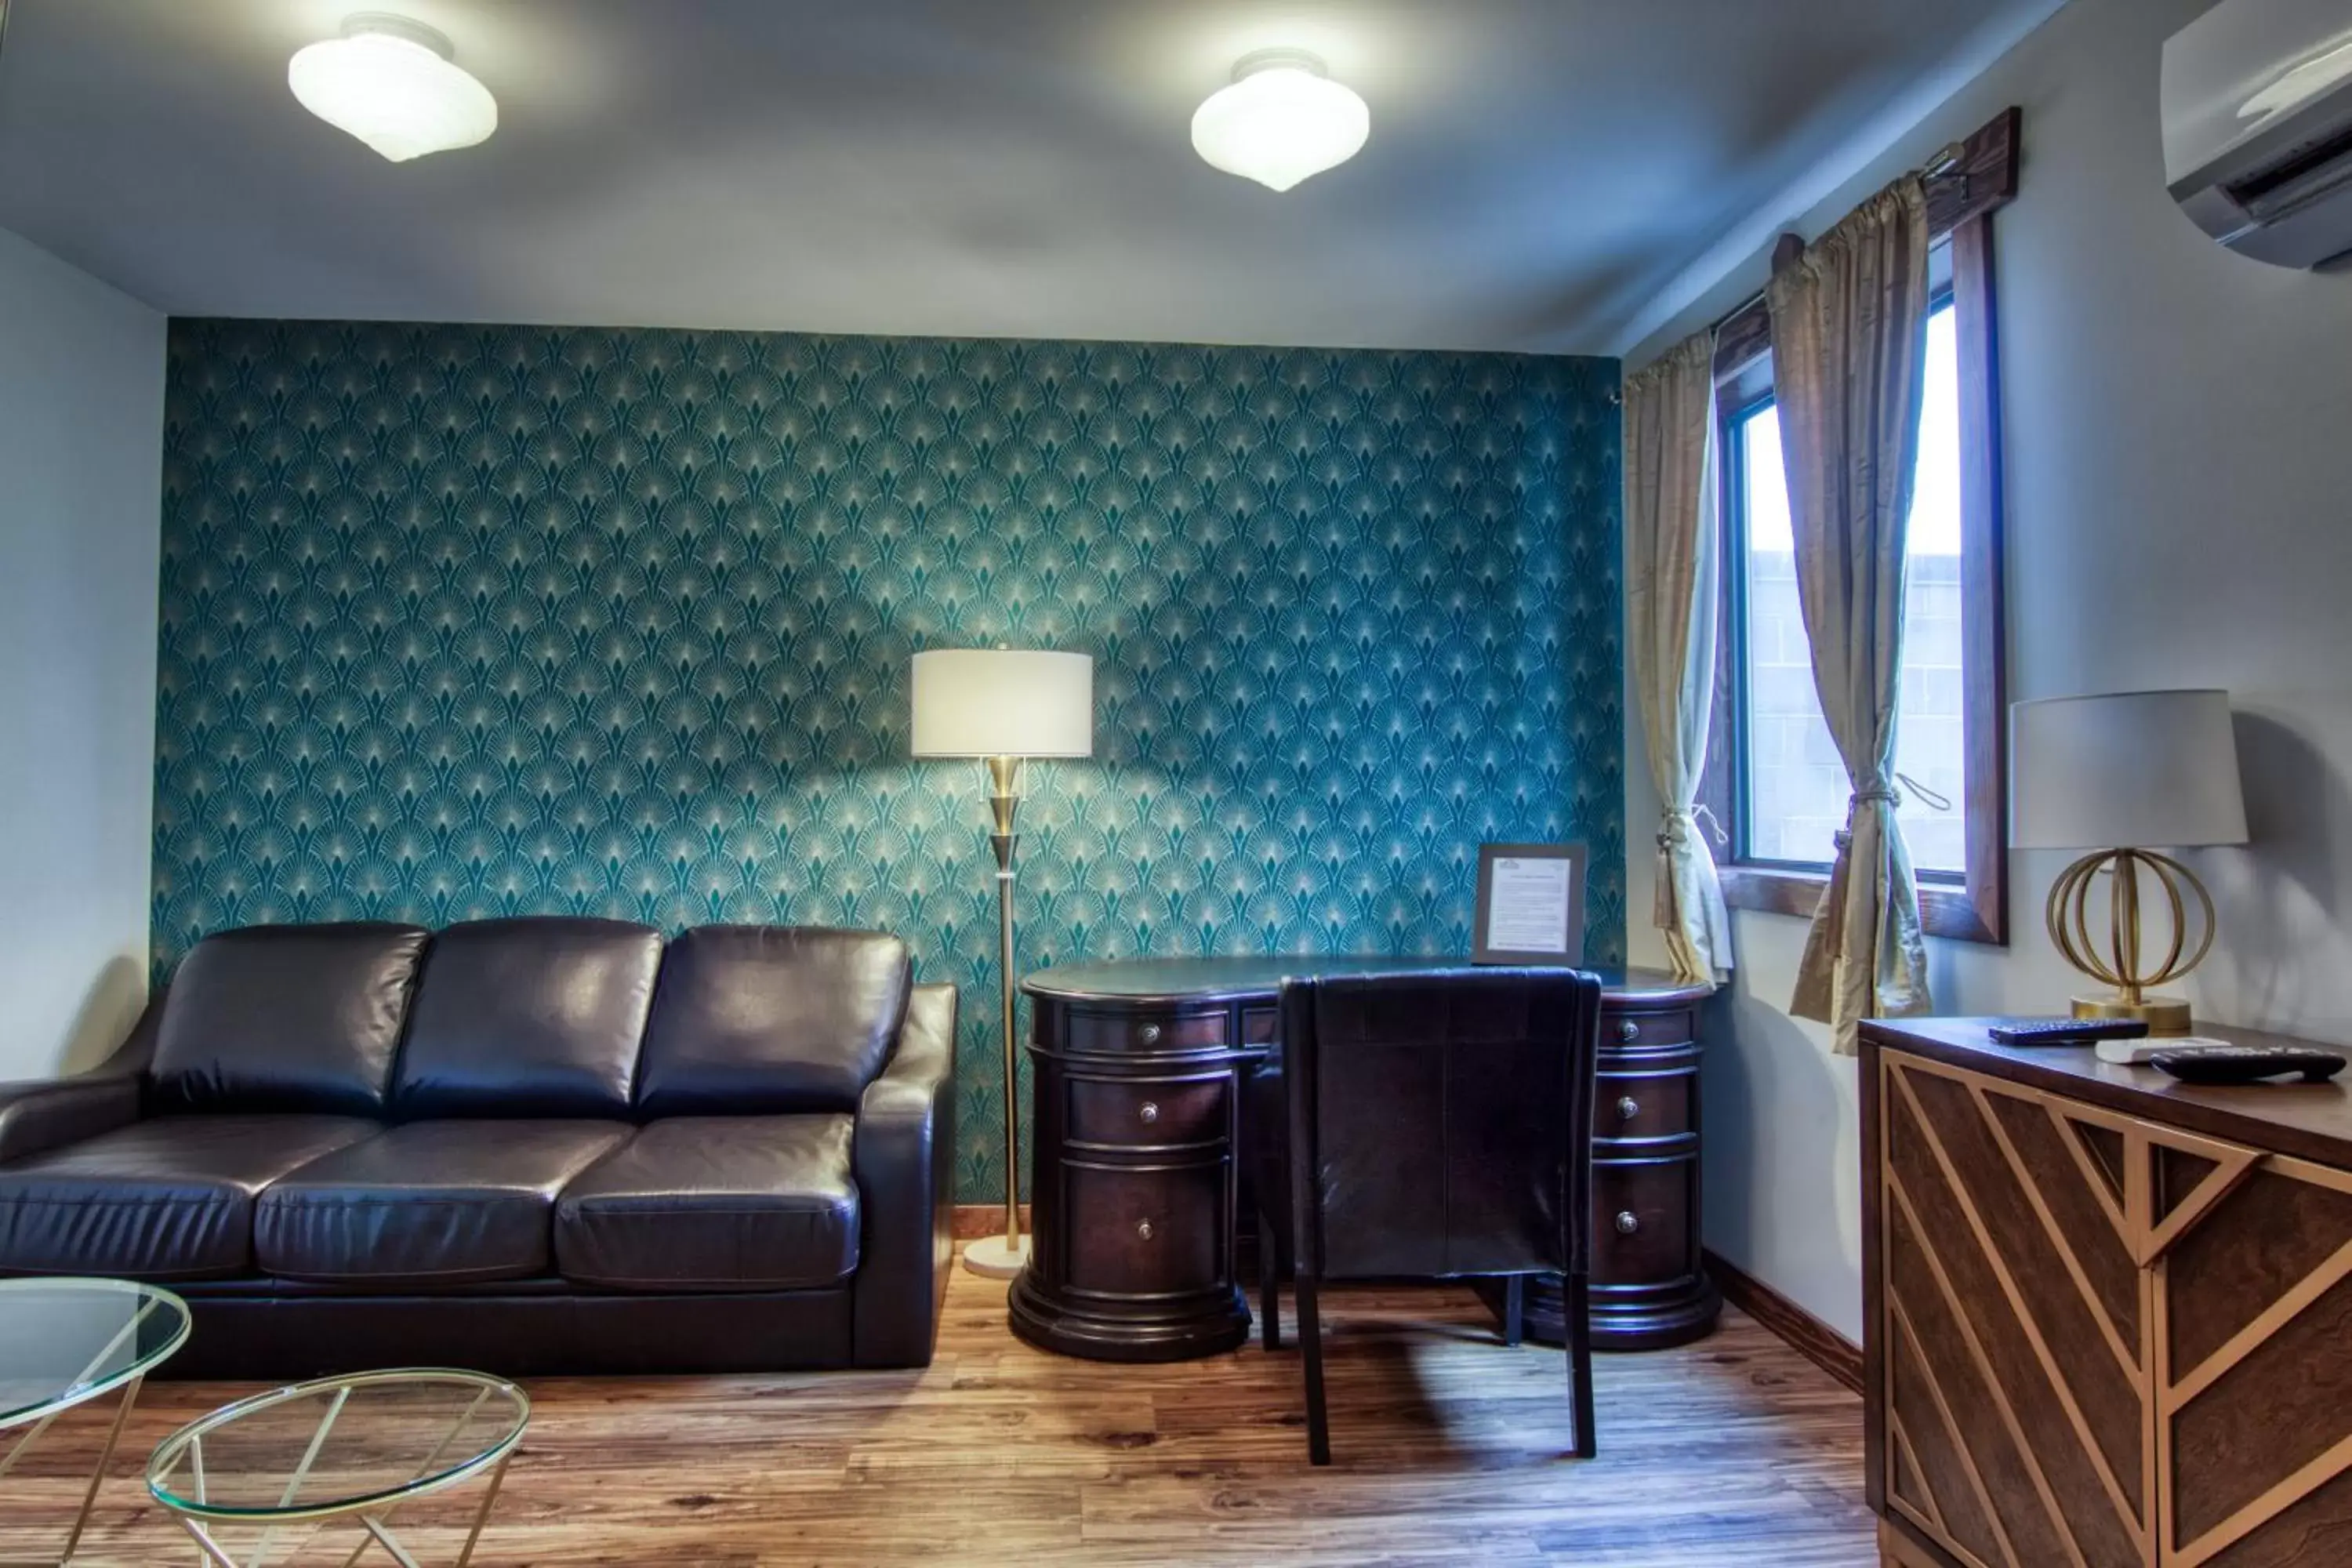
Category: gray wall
[82,435]
[2178,429]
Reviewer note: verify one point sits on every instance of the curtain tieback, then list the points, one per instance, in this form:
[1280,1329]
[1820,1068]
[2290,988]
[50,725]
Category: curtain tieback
[1887,795]
[1675,833]
[1676,822]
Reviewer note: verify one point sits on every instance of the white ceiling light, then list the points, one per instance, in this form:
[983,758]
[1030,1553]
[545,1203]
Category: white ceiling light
[389,82]
[1282,120]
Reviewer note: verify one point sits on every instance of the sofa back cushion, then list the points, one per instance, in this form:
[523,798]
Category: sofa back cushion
[538,1016]
[771,1020]
[295,1017]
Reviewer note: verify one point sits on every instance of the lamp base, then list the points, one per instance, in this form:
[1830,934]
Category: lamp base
[2162,1015]
[993,1257]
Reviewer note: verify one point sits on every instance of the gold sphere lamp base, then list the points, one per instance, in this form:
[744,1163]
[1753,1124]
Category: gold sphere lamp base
[2162,1015]
[2114,956]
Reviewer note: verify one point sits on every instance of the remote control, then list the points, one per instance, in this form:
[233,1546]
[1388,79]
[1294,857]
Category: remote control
[2140,1052]
[2066,1031]
[2247,1064]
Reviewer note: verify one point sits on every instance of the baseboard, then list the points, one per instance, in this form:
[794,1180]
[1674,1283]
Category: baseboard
[973,1221]
[1805,1334]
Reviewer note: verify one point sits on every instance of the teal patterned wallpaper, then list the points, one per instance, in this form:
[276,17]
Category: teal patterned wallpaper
[461,621]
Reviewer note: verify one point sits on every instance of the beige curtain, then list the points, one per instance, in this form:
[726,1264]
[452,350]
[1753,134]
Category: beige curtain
[1672,552]
[1849,339]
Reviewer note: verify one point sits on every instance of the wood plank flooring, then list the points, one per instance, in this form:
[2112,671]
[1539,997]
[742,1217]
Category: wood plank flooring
[1732,1453]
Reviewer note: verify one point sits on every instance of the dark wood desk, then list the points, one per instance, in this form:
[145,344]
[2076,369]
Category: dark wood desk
[1141,1155]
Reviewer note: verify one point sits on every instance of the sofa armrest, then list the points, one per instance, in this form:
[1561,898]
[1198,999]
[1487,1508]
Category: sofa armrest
[40,1114]
[904,1161]
[36,1117]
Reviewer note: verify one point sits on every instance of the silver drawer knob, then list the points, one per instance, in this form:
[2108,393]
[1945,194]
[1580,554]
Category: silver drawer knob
[1151,1034]
[1143,1229]
[1629,1031]
[1626,1223]
[1150,1111]
[1628,1109]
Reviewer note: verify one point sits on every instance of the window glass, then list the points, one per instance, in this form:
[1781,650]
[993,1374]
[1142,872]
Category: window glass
[1795,795]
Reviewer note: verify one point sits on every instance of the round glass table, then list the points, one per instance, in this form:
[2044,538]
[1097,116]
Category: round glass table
[352,1446]
[66,1341]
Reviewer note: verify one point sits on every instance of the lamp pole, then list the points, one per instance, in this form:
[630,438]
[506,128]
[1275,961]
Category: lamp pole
[1004,804]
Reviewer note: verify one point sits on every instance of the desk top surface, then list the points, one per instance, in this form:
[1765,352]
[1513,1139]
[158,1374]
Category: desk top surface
[1248,976]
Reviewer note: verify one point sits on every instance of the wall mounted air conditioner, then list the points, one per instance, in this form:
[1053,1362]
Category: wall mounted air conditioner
[2258,127]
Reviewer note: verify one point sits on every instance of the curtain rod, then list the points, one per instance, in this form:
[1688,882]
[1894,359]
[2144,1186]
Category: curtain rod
[1942,163]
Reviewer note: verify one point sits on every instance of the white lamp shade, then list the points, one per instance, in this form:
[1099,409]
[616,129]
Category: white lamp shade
[1003,703]
[2137,770]
[392,84]
[1280,122]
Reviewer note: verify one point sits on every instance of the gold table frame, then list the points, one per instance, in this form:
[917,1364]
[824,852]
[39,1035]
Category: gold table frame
[129,1380]
[372,1510]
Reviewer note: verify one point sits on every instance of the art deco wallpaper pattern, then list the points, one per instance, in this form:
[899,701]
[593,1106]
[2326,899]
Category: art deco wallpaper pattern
[465,621]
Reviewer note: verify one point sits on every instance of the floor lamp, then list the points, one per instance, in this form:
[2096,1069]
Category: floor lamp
[1004,706]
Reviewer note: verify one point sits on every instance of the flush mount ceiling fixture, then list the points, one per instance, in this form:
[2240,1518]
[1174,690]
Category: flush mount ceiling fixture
[1282,119]
[392,83]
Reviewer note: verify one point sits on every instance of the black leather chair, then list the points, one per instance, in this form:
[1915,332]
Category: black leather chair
[1441,1128]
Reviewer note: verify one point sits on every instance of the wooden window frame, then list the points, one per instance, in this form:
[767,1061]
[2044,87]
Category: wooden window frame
[1967,182]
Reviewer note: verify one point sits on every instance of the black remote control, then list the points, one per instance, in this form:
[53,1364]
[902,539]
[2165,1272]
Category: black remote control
[2247,1064]
[2066,1031]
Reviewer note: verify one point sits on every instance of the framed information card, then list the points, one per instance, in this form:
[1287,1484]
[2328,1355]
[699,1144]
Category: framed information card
[1530,905]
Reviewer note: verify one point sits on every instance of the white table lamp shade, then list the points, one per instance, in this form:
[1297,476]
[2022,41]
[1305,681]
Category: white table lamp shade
[1003,703]
[2138,770]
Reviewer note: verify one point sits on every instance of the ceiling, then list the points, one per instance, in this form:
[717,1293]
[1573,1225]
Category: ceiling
[1539,171]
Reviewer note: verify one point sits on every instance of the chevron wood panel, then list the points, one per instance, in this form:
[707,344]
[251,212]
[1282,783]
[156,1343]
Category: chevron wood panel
[2256,1304]
[2104,1342]
[1978,1277]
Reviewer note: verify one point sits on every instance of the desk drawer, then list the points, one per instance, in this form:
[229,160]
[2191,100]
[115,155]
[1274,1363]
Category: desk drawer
[1142,1234]
[1148,1113]
[1655,1106]
[1150,1031]
[1624,1030]
[1641,1222]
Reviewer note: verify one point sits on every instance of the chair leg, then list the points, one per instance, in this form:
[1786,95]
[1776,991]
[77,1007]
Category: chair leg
[1270,1287]
[1310,1340]
[1576,1307]
[1514,1307]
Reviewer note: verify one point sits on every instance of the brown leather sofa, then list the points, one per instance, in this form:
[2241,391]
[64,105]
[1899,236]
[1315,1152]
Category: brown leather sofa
[535,1145]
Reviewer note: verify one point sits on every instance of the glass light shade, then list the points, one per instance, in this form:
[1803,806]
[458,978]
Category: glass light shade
[1281,120]
[2135,770]
[1003,703]
[391,83]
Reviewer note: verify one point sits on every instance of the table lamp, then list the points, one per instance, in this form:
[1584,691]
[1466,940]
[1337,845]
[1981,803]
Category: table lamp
[1004,706]
[2121,774]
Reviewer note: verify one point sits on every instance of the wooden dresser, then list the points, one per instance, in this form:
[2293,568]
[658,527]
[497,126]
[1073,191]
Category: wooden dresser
[1144,1070]
[2109,1316]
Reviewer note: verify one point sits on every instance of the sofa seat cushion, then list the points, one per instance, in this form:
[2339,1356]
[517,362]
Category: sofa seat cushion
[716,1203]
[428,1202]
[168,1198]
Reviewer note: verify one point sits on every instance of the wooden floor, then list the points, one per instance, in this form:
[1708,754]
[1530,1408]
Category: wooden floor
[1733,1452]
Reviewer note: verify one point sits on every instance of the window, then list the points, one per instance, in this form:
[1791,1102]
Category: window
[1794,798]
[1776,781]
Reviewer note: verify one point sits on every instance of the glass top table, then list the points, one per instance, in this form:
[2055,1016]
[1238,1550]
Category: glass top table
[65,1342]
[355,1446]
